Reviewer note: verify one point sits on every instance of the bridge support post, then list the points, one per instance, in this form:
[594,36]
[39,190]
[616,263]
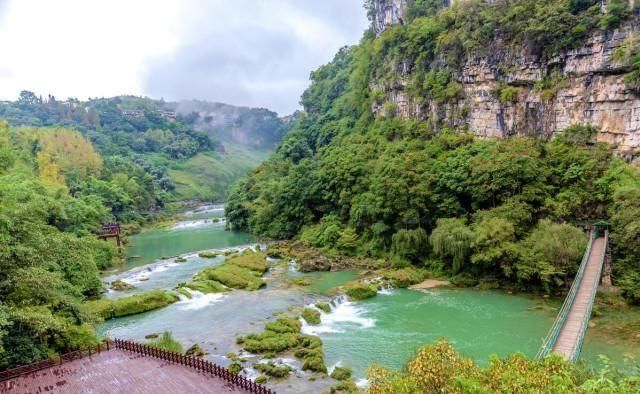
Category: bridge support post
[606,272]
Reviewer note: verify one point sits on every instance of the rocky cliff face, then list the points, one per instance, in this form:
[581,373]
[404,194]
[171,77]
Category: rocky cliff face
[590,90]
[386,13]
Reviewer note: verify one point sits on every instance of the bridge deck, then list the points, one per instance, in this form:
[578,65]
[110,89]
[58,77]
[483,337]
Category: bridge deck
[569,337]
[118,371]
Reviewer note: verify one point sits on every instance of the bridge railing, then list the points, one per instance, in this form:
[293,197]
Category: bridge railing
[577,347]
[552,336]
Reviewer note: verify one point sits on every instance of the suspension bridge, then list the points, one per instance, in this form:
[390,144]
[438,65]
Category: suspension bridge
[566,336]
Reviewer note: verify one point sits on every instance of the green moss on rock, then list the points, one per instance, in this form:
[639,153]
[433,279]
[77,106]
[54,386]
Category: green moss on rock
[311,316]
[360,291]
[341,373]
[273,370]
[126,306]
[206,286]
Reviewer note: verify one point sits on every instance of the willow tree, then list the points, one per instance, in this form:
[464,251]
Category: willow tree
[452,240]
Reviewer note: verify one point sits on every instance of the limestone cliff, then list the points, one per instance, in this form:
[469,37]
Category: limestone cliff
[590,90]
[385,13]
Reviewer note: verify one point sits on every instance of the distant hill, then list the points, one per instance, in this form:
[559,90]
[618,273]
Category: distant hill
[192,149]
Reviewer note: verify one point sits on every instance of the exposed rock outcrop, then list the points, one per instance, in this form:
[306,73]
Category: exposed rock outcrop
[386,13]
[591,90]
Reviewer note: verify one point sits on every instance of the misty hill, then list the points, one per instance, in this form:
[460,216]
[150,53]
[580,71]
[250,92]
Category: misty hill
[193,150]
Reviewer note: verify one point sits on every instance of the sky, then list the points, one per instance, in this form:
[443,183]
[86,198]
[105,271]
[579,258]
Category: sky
[256,53]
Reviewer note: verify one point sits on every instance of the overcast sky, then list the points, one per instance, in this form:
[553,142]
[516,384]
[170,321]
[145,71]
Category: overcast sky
[244,52]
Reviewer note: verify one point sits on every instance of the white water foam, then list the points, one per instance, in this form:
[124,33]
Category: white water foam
[139,276]
[342,312]
[189,225]
[362,383]
[386,291]
[199,300]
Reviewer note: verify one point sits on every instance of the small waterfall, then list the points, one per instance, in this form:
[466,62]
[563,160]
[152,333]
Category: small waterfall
[388,290]
[199,300]
[343,312]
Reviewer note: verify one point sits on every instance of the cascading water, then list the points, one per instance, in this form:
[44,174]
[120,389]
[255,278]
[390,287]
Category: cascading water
[343,313]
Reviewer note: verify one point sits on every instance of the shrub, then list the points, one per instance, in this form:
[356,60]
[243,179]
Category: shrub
[208,255]
[341,373]
[509,95]
[235,367]
[360,291]
[404,277]
[323,306]
[262,379]
[273,370]
[464,280]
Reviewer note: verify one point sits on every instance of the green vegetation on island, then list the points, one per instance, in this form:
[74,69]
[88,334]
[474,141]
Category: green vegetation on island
[283,335]
[108,308]
[237,272]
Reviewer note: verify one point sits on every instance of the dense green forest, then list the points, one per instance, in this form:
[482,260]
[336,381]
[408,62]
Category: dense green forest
[54,189]
[423,193]
[154,143]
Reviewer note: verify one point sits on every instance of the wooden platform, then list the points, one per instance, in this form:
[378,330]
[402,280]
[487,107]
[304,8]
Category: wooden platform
[118,371]
[570,333]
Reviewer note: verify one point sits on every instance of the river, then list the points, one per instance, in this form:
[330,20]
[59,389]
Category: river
[385,330]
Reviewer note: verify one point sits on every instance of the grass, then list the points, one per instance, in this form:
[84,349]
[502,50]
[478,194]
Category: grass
[323,306]
[251,260]
[284,335]
[126,306]
[167,342]
[311,316]
[233,276]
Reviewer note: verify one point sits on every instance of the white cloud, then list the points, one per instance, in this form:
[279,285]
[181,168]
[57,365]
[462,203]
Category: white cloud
[82,48]
[244,52]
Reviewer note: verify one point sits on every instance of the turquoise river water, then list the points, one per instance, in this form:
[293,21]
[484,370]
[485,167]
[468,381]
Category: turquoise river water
[386,330]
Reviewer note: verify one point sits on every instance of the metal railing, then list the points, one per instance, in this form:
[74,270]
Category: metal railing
[577,347]
[52,362]
[195,363]
[552,336]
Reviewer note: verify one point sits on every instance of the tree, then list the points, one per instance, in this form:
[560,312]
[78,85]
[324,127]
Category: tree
[550,255]
[452,240]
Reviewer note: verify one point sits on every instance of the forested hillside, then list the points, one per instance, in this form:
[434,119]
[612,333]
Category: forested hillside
[54,190]
[149,136]
[426,191]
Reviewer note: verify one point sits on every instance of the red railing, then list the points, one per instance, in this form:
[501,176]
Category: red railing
[193,362]
[52,362]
